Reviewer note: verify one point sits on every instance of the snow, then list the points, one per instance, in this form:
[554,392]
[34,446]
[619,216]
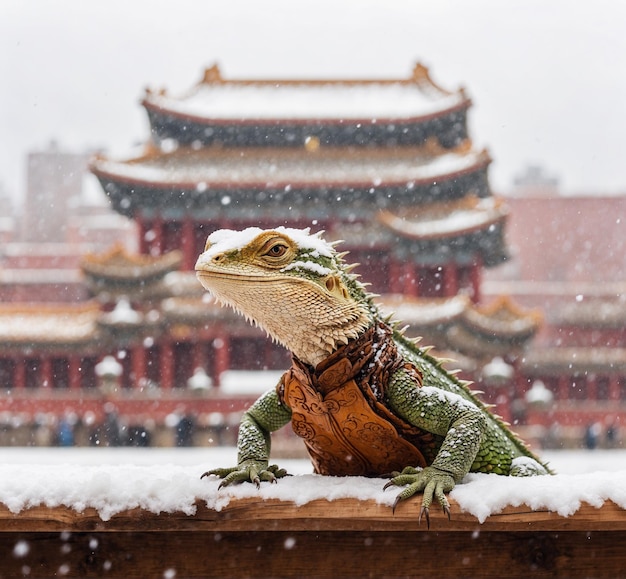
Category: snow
[291,168]
[63,324]
[123,314]
[168,480]
[306,101]
[424,312]
[248,382]
[225,240]
[483,213]
[309,266]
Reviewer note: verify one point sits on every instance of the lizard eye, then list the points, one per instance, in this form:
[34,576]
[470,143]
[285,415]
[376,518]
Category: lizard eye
[277,250]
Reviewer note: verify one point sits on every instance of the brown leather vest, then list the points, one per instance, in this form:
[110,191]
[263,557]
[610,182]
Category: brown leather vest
[337,408]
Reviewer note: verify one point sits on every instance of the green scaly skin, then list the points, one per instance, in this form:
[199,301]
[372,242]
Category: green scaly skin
[468,437]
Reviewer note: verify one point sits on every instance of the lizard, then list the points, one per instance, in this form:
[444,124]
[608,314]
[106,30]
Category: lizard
[366,399]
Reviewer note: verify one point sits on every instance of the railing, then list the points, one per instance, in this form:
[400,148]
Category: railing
[343,538]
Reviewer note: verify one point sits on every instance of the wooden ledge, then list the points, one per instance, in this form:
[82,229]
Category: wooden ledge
[319,515]
[342,538]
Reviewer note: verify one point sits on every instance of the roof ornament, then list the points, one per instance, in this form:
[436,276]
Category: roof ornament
[539,396]
[108,367]
[212,74]
[200,381]
[123,314]
[420,73]
[421,76]
[312,143]
[497,371]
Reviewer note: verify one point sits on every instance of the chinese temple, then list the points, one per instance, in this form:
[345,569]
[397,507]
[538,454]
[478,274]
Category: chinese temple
[386,165]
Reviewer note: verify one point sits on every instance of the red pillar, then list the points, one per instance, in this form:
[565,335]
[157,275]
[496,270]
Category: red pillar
[221,345]
[138,372]
[450,279]
[74,372]
[395,277]
[614,387]
[592,388]
[167,365]
[410,282]
[476,273]
[142,229]
[188,245]
[564,387]
[158,243]
[197,354]
[19,377]
[45,375]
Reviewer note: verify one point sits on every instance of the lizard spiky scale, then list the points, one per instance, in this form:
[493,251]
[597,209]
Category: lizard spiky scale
[298,288]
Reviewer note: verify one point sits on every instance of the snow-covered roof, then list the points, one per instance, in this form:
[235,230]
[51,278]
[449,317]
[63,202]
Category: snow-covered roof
[423,312]
[39,276]
[118,264]
[502,317]
[218,99]
[595,313]
[501,320]
[214,167]
[44,323]
[546,361]
[445,219]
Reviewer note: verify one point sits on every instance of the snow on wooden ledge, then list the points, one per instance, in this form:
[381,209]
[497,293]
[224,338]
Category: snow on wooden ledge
[163,521]
[112,489]
[346,514]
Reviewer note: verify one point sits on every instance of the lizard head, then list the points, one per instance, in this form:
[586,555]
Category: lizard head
[291,283]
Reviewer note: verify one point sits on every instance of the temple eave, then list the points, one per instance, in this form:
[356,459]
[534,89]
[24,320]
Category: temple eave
[161,109]
[573,360]
[119,174]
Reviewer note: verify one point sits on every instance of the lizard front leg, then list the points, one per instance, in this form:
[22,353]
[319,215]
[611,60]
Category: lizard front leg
[461,424]
[266,415]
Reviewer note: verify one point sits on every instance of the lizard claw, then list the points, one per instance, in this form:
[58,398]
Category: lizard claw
[433,482]
[426,512]
[395,504]
[389,484]
[249,471]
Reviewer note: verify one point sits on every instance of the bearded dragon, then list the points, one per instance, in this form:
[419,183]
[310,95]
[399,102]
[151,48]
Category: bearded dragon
[366,399]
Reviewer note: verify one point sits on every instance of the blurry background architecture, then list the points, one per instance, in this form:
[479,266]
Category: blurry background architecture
[105,333]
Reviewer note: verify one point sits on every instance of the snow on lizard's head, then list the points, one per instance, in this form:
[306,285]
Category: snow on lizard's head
[288,281]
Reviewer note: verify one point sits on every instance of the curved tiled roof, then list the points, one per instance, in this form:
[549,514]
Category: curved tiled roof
[117,264]
[442,220]
[268,100]
[464,326]
[205,169]
[31,324]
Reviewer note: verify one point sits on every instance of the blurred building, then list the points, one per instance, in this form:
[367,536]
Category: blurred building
[8,222]
[54,182]
[386,165]
[568,259]
[64,216]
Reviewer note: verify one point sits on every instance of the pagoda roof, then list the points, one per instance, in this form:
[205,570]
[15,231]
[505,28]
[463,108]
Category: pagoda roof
[570,361]
[118,265]
[241,101]
[456,323]
[208,168]
[446,219]
[594,313]
[53,324]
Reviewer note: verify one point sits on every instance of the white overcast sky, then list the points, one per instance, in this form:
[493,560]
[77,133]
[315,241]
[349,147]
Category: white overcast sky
[547,78]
